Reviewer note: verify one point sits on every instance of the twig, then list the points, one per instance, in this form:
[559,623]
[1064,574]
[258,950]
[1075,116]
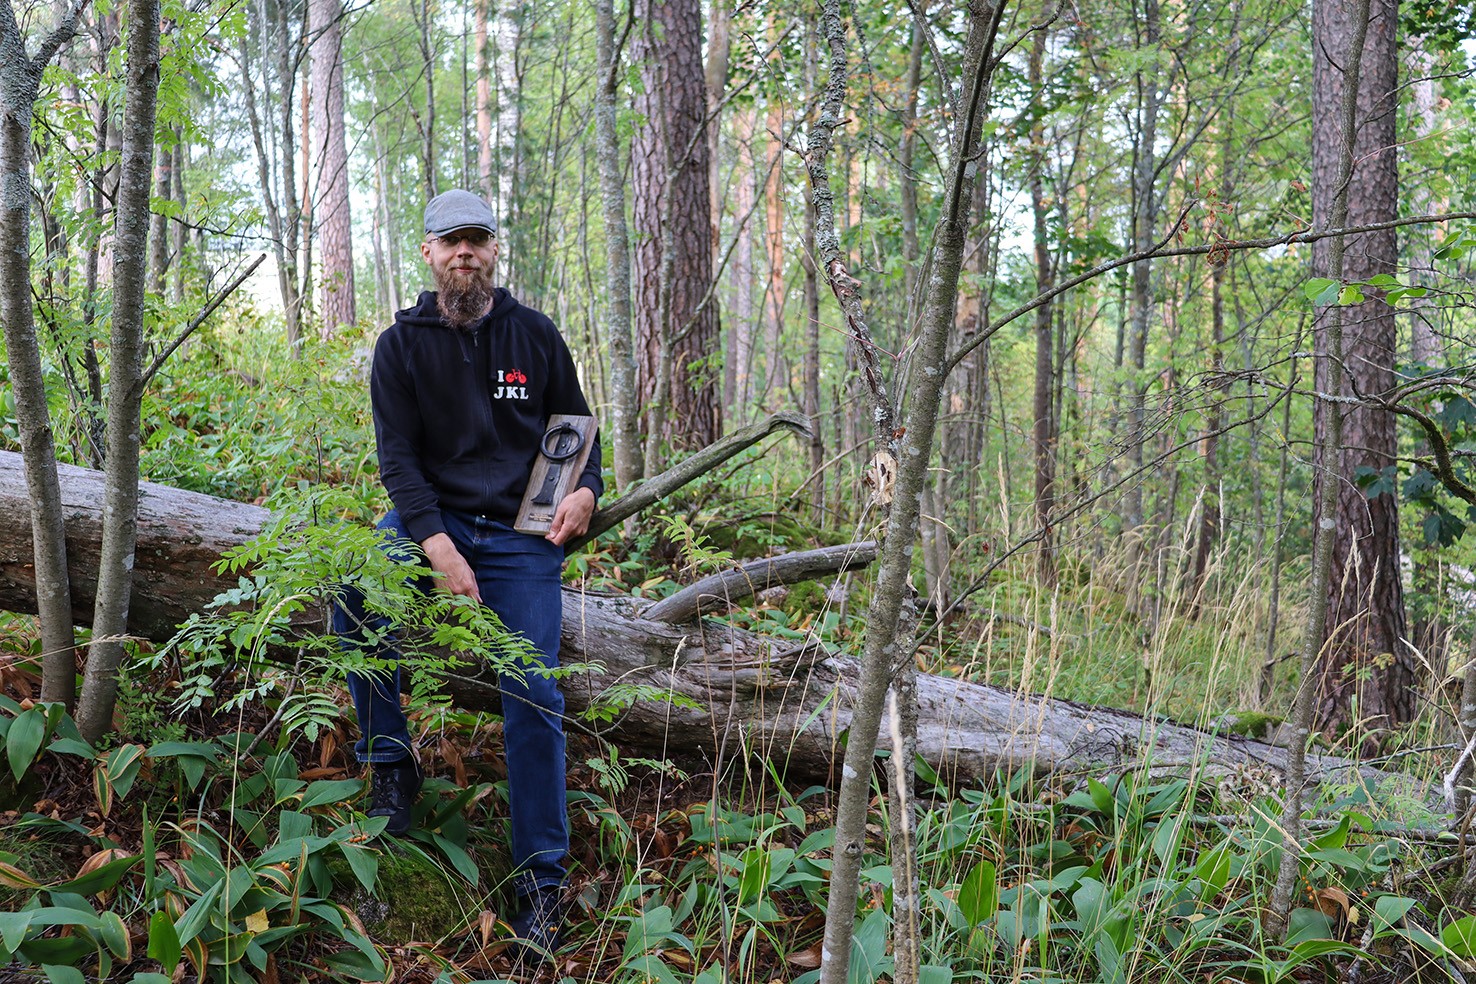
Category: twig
[197,321]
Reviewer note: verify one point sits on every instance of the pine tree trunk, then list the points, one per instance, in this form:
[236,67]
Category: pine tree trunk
[672,261]
[484,106]
[1366,665]
[330,157]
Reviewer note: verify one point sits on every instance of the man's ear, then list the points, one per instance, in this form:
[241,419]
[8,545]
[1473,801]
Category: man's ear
[425,251]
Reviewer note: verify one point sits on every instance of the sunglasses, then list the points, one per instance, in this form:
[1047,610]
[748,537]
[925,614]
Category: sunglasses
[474,237]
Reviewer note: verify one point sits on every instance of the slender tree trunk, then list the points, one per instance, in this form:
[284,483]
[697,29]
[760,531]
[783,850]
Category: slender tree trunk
[178,229]
[744,330]
[330,153]
[1145,212]
[159,237]
[420,9]
[1431,632]
[1043,430]
[125,385]
[1337,106]
[715,74]
[775,288]
[625,406]
[20,81]
[484,106]
[811,368]
[885,649]
[1268,669]
[1209,518]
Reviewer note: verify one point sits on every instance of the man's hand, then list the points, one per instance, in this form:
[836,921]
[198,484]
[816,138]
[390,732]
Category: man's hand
[446,560]
[571,519]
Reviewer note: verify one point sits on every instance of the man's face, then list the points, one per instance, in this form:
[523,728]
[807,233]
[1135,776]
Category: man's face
[463,262]
[462,254]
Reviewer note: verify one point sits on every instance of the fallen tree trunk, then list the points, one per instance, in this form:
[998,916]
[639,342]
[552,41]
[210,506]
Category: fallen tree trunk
[717,592]
[759,697]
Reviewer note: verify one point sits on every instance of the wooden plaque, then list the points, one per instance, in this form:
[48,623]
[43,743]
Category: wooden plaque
[537,517]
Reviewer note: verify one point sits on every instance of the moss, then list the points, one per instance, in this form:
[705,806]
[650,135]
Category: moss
[413,899]
[804,598]
[1253,724]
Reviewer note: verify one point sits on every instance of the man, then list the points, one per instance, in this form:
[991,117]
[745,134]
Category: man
[462,387]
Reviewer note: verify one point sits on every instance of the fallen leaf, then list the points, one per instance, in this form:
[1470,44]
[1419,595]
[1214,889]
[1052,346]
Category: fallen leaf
[258,922]
[806,959]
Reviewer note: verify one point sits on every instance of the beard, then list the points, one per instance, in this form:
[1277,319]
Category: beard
[463,297]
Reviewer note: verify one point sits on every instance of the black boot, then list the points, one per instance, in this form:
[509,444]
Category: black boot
[540,920]
[392,790]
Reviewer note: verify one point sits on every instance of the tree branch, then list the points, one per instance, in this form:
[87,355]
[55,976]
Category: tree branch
[694,466]
[718,591]
[1300,236]
[197,321]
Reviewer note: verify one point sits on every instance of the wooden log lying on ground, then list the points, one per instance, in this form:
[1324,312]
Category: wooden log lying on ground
[719,591]
[759,696]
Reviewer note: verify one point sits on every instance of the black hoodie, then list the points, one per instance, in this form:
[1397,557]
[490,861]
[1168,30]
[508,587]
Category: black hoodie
[459,413]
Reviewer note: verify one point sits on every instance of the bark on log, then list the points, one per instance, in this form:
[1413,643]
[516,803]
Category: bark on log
[718,592]
[760,696]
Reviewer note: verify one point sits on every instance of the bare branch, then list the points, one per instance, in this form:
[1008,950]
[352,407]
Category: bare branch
[197,321]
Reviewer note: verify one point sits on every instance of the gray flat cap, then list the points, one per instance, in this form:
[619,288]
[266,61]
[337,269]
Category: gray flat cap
[458,209]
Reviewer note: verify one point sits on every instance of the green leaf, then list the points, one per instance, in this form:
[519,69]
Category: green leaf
[1337,837]
[363,862]
[58,974]
[1460,937]
[329,791]
[934,974]
[458,857]
[13,926]
[164,945]
[978,896]
[115,935]
[198,915]
[24,740]
[71,746]
[1389,909]
[100,879]
[1307,924]
[1213,871]
[1350,294]
[1315,288]
[868,949]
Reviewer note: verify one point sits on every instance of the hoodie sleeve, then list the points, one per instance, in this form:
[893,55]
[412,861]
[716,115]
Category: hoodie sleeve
[565,396]
[398,433]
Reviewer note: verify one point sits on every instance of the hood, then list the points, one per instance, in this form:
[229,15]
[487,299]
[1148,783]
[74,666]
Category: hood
[425,313]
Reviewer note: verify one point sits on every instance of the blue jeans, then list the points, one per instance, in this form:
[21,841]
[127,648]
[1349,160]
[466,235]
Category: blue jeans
[518,576]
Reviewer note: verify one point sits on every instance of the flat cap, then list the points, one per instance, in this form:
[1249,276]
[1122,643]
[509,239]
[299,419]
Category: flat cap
[458,209]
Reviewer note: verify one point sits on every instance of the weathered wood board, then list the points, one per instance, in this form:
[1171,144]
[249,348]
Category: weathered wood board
[552,478]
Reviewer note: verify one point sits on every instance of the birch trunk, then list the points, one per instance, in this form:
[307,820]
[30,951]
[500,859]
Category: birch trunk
[125,378]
